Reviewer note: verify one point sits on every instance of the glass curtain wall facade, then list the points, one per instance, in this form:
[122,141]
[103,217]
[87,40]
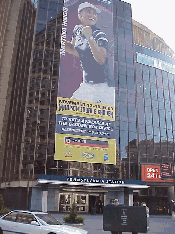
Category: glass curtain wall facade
[39,135]
[154,85]
[124,79]
[144,127]
[155,101]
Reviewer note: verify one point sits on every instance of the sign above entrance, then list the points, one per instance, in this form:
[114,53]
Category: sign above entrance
[89,180]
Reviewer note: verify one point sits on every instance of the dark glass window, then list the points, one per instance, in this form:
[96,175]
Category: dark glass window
[123,96]
[121,54]
[120,10]
[130,83]
[148,102]
[168,119]
[146,78]
[129,61]
[163,132]
[161,104]
[147,90]
[150,137]
[53,6]
[128,46]
[128,36]
[148,114]
[122,81]
[149,130]
[162,118]
[152,79]
[145,70]
[127,10]
[43,4]
[167,105]
[123,109]
[166,93]
[155,118]
[128,26]
[154,92]
[40,27]
[123,140]
[164,139]
[157,138]
[141,115]
[122,69]
[124,126]
[51,15]
[152,71]
[155,104]
[121,22]
[131,112]
[11,217]
[130,71]
[139,87]
[156,131]
[132,127]
[140,100]
[172,94]
[138,76]
[165,80]
[131,97]
[132,136]
[141,129]
[170,135]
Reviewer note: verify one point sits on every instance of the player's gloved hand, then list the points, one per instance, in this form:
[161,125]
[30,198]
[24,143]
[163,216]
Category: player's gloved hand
[87,31]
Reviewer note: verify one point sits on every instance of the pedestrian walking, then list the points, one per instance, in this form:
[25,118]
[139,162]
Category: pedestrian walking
[173,211]
[116,203]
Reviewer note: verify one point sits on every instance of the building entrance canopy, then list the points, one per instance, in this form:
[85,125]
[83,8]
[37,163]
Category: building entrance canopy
[90,181]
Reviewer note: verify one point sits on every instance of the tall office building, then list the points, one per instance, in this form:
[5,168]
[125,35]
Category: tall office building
[144,103]
[16,33]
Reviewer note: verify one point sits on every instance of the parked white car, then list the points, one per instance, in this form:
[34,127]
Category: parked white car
[19,221]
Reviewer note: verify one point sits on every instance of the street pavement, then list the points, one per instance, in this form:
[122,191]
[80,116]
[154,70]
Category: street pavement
[94,224]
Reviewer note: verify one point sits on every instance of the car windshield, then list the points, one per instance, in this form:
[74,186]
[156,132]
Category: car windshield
[47,219]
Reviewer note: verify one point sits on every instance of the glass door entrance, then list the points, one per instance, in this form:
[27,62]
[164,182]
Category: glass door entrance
[96,204]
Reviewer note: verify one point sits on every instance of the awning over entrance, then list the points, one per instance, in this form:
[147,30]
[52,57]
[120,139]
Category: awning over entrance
[90,182]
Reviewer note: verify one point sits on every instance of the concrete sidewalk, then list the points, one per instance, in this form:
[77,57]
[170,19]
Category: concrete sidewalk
[94,224]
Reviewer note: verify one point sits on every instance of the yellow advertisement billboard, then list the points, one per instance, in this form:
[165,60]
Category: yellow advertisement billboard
[85,149]
[85,113]
[67,106]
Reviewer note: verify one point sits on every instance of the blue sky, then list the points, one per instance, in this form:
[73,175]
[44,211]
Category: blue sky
[158,16]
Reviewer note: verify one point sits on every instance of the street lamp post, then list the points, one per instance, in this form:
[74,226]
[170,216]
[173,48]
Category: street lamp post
[30,168]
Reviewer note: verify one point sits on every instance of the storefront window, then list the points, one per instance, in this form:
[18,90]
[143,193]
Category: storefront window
[81,202]
[81,199]
[65,202]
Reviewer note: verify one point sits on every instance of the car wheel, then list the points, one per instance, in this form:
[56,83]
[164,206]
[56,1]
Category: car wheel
[1,231]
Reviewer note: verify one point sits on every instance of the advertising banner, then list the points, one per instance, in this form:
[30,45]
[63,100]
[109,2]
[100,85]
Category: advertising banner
[166,170]
[152,173]
[86,90]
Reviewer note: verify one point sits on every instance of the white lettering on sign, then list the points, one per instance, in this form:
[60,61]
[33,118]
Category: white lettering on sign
[124,217]
[149,169]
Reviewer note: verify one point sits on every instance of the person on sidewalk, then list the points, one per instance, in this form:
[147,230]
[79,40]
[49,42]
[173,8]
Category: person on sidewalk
[116,203]
[173,210]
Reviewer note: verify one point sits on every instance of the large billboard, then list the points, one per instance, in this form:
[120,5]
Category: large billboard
[152,173]
[86,91]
